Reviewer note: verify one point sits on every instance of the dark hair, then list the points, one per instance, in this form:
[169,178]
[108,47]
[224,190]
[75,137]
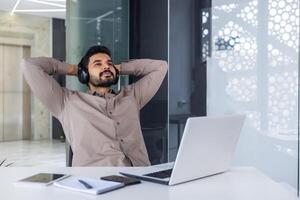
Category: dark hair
[92,51]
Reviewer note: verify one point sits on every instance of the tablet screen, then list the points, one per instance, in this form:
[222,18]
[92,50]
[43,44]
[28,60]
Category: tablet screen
[43,178]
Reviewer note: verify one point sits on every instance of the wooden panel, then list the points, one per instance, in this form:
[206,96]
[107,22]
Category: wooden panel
[26,102]
[13,89]
[12,71]
[1,93]
[13,116]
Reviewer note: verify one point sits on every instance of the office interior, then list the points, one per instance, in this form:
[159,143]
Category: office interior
[224,56]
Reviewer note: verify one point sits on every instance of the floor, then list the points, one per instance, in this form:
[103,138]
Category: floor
[33,153]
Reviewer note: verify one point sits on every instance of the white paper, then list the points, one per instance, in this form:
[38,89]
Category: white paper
[99,186]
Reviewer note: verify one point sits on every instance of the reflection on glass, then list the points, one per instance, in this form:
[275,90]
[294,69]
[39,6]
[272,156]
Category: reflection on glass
[97,23]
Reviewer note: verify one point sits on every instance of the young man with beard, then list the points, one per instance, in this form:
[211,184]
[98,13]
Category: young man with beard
[102,125]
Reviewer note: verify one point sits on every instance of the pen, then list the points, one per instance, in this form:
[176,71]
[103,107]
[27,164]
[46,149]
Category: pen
[88,186]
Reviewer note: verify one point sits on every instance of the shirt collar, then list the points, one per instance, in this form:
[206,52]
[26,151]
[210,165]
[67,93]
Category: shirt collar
[111,91]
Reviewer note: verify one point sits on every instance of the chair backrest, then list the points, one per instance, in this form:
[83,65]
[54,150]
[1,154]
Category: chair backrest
[69,155]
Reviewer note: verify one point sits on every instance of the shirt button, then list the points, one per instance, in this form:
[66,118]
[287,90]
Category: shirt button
[118,123]
[110,112]
[122,140]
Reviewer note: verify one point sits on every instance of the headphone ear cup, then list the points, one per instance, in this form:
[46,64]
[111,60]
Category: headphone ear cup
[83,74]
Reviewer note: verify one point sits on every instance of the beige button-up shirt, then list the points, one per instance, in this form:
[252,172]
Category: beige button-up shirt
[102,131]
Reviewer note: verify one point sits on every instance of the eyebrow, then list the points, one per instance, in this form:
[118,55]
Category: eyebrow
[110,61]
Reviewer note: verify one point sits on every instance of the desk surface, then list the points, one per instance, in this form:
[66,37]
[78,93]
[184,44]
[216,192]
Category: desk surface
[237,184]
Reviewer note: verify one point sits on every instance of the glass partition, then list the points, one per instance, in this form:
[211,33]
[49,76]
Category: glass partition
[97,22]
[253,69]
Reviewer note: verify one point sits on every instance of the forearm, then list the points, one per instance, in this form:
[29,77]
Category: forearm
[49,65]
[142,67]
[152,72]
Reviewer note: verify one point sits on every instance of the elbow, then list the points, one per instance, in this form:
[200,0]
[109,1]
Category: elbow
[164,65]
[26,62]
[23,64]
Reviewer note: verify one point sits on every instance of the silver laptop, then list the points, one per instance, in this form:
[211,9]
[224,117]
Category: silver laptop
[207,148]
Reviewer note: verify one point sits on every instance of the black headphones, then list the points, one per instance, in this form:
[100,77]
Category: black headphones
[83,73]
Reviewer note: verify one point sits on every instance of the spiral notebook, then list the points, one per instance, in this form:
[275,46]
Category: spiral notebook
[77,183]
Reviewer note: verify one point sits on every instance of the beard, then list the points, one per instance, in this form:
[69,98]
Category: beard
[97,81]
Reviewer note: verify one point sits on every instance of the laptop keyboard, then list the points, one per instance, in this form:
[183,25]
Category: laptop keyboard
[161,174]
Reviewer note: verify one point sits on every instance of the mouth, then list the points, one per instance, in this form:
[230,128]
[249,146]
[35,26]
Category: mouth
[106,73]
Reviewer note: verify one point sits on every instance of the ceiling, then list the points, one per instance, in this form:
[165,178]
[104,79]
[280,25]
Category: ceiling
[45,8]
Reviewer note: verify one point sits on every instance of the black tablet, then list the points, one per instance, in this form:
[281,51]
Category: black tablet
[43,178]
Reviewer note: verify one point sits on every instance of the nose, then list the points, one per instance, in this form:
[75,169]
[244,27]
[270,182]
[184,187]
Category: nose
[106,67]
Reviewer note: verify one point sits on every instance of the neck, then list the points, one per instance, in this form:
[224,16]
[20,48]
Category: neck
[99,90]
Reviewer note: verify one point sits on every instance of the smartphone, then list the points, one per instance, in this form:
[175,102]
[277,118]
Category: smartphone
[121,179]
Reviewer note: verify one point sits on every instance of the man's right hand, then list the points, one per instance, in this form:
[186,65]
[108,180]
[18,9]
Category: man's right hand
[72,70]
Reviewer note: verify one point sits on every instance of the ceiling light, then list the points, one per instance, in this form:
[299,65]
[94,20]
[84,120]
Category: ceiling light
[56,0]
[15,6]
[101,16]
[47,3]
[42,10]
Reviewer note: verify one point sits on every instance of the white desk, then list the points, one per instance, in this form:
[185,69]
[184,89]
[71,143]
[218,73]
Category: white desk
[236,184]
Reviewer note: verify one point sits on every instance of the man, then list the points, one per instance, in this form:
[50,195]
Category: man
[102,126]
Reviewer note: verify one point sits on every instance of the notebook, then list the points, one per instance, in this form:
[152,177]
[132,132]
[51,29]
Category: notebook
[74,183]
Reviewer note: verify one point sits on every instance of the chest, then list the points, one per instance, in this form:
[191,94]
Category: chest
[93,108]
